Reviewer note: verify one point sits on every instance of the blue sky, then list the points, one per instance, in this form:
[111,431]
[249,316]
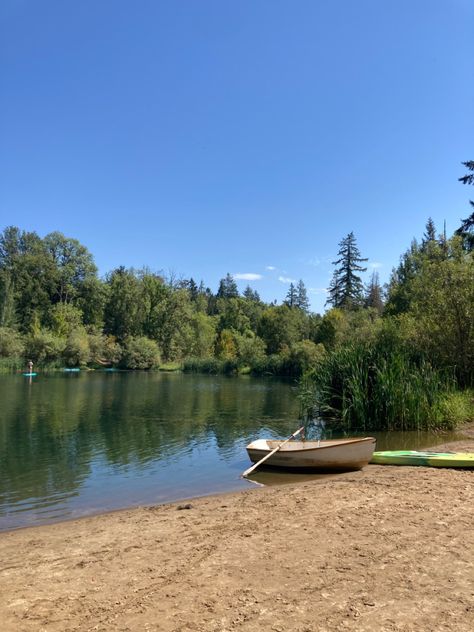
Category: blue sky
[205,137]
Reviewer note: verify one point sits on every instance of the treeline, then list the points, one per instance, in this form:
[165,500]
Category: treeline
[407,360]
[393,356]
[54,309]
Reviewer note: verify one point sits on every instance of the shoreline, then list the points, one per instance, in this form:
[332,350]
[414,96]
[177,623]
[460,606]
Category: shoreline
[460,446]
[386,548]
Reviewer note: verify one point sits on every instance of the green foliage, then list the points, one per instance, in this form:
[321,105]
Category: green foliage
[43,347]
[466,230]
[55,309]
[227,288]
[64,318]
[368,386]
[250,348]
[203,335]
[456,408]
[141,353]
[213,366]
[77,351]
[438,296]
[281,326]
[346,287]
[122,314]
[11,343]
[226,348]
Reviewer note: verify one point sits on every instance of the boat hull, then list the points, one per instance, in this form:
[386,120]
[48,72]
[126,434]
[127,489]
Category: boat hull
[427,459]
[344,454]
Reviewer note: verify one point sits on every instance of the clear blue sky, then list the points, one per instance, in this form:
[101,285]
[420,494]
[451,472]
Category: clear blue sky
[205,137]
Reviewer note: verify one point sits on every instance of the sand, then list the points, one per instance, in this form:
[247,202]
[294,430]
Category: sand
[388,548]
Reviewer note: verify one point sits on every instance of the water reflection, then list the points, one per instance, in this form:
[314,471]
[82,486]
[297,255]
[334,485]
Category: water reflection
[72,444]
[75,443]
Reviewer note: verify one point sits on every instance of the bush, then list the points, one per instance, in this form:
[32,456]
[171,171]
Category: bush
[250,348]
[77,350]
[104,350]
[11,343]
[141,353]
[456,408]
[42,346]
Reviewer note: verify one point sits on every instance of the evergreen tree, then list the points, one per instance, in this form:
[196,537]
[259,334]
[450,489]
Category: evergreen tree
[374,294]
[227,287]
[251,295]
[291,297]
[193,290]
[466,230]
[302,300]
[430,232]
[334,291]
[346,288]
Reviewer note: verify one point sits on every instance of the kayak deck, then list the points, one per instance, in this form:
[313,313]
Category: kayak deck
[424,458]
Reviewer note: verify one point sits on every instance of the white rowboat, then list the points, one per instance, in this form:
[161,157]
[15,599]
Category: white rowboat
[339,454]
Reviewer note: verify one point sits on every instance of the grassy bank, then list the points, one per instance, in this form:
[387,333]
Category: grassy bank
[367,387]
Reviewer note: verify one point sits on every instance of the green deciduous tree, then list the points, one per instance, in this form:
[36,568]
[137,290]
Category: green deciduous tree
[122,314]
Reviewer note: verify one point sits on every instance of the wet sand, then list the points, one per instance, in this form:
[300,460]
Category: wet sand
[388,548]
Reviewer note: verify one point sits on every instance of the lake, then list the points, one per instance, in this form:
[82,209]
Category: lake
[74,444]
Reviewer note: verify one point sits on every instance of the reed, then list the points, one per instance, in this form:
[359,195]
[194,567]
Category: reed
[374,386]
[212,366]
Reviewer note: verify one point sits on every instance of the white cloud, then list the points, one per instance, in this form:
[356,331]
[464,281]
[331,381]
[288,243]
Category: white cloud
[318,290]
[270,268]
[247,276]
[375,264]
[314,261]
[286,279]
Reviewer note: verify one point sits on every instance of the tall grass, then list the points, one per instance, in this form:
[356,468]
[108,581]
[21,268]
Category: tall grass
[212,366]
[372,386]
[12,364]
[15,364]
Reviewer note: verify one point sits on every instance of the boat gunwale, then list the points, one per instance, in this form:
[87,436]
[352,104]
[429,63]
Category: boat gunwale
[342,442]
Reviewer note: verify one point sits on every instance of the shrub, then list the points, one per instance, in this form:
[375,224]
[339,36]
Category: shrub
[456,408]
[141,353]
[43,346]
[11,343]
[77,350]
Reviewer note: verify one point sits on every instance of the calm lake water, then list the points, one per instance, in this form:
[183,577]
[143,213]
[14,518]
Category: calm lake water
[73,444]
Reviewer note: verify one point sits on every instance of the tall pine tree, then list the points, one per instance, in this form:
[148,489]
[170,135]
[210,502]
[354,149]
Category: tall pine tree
[227,287]
[302,300]
[466,230]
[374,293]
[346,288]
[291,296]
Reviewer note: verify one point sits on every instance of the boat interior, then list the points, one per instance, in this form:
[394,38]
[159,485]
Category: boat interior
[269,444]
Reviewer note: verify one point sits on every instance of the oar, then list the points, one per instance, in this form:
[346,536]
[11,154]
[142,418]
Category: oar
[267,456]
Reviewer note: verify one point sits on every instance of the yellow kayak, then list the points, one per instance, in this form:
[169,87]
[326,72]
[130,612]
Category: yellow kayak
[426,458]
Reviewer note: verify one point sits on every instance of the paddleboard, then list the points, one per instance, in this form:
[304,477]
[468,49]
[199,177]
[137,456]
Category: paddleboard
[29,374]
[71,370]
[426,458]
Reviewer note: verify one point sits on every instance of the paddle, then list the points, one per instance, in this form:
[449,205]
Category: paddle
[267,456]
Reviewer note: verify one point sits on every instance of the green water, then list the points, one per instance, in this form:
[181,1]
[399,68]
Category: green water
[73,444]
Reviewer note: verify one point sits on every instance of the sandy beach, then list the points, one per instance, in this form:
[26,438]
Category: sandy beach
[387,548]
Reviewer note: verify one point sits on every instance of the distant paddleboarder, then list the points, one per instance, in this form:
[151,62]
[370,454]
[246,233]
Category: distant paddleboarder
[30,366]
